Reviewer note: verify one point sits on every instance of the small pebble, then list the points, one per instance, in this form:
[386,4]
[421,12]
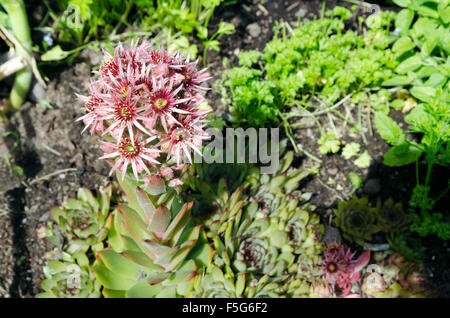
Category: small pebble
[331,234]
[301,13]
[333,171]
[254,29]
[236,21]
[45,217]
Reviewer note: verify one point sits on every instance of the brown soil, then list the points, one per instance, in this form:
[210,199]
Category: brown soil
[57,160]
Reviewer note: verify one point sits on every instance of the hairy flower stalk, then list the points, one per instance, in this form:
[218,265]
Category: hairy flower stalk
[145,103]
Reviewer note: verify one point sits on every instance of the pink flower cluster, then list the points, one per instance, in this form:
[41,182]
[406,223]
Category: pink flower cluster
[340,268]
[145,102]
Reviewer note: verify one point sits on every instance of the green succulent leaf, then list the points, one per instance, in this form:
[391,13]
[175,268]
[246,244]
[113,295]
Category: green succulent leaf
[143,289]
[155,185]
[141,259]
[159,221]
[145,203]
[112,280]
[111,293]
[119,264]
[178,224]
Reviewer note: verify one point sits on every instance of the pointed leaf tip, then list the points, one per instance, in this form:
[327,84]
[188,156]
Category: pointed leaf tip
[159,222]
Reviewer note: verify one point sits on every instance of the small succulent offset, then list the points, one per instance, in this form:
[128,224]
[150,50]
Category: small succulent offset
[69,280]
[206,184]
[359,221]
[80,230]
[217,284]
[393,276]
[392,217]
[146,103]
[85,221]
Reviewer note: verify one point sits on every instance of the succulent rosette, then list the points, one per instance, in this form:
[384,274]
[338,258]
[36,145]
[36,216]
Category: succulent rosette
[304,230]
[216,284]
[258,255]
[373,284]
[392,216]
[357,220]
[146,103]
[85,220]
[69,280]
[264,232]
[307,267]
[155,250]
[219,284]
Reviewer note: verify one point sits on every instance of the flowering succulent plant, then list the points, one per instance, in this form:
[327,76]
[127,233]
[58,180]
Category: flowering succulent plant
[146,104]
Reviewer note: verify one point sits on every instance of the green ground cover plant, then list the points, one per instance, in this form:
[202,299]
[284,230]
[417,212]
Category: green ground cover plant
[319,58]
[313,70]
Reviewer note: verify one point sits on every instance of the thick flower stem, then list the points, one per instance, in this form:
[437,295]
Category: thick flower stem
[21,29]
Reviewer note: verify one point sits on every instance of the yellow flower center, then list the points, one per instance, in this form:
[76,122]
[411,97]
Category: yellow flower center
[160,103]
[181,134]
[129,150]
[332,268]
[123,112]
